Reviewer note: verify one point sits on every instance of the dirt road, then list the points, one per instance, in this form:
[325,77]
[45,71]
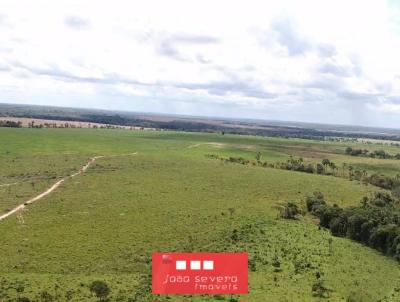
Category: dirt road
[51,189]
[7,185]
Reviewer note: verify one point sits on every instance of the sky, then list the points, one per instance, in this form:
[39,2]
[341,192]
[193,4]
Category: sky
[311,61]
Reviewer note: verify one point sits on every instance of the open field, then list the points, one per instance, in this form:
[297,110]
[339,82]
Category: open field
[104,223]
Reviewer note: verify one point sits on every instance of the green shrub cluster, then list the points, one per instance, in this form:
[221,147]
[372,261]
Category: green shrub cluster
[384,182]
[289,211]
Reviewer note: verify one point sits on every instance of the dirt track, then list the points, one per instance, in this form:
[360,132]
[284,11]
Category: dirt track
[7,185]
[48,191]
[217,145]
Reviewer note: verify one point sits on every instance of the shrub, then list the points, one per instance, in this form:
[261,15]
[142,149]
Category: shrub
[252,264]
[69,295]
[320,169]
[382,199]
[289,211]
[316,199]
[319,289]
[100,289]
[354,297]
[235,236]
[309,169]
[276,264]
[46,297]
[396,192]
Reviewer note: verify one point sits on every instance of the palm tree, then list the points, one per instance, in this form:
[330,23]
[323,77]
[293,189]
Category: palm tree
[333,167]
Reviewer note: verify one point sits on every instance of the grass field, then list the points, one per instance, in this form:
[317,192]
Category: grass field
[104,224]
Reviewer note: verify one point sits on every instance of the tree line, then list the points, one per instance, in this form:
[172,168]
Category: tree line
[375,223]
[34,124]
[381,154]
[325,167]
[10,124]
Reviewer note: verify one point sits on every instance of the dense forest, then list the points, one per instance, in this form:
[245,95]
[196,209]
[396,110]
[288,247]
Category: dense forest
[376,222]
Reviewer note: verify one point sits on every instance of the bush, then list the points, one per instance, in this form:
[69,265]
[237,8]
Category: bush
[100,289]
[276,264]
[46,297]
[354,297]
[382,181]
[396,192]
[315,200]
[382,199]
[319,289]
[289,211]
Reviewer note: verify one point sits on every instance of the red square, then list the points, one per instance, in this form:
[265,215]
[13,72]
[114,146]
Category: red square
[200,273]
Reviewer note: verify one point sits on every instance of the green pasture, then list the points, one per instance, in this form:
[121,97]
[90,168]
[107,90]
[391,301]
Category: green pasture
[168,196]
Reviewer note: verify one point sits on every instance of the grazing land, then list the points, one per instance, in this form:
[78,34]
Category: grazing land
[161,191]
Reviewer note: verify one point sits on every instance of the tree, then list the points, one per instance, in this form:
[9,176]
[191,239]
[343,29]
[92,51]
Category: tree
[344,165]
[382,238]
[333,167]
[100,289]
[338,226]
[354,224]
[326,214]
[320,169]
[351,169]
[326,162]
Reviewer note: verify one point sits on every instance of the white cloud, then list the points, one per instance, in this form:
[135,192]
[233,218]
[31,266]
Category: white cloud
[76,22]
[323,61]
